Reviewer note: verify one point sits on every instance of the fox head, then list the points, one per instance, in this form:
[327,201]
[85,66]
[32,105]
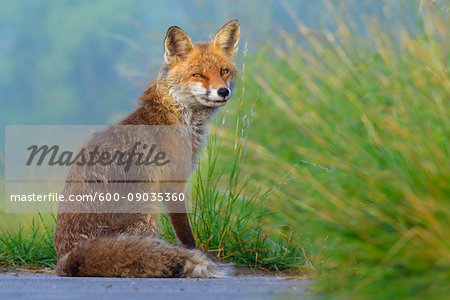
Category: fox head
[202,73]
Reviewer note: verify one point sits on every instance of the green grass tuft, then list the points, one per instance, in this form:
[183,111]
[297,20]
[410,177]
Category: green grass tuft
[31,246]
[229,222]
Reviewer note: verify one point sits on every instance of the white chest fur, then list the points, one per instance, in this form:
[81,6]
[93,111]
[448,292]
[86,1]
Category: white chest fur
[194,114]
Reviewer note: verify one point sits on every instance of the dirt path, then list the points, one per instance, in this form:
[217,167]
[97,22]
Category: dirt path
[49,286]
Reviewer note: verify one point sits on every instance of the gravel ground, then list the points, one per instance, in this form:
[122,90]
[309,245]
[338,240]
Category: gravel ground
[49,286]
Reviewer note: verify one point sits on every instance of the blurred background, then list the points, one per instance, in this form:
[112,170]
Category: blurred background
[84,62]
[341,114]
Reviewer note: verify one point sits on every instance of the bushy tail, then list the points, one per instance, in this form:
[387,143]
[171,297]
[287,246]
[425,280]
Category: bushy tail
[136,256]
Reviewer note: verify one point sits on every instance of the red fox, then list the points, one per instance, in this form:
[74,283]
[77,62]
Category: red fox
[195,82]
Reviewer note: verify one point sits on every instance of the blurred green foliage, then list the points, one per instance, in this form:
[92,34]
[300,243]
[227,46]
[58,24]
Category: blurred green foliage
[351,128]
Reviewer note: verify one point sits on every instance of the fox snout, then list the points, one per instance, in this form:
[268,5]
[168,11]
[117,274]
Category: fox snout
[223,92]
[217,97]
[212,97]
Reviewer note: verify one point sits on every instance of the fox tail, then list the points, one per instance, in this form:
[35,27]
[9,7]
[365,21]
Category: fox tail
[137,256]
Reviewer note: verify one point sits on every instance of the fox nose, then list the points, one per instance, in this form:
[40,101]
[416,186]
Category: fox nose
[223,92]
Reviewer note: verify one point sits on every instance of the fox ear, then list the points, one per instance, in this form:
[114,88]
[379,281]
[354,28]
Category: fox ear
[177,45]
[227,38]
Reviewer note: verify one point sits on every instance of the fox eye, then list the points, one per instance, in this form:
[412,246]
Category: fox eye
[197,75]
[224,71]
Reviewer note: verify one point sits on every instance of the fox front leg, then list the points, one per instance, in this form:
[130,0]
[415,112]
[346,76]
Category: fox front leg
[177,212]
